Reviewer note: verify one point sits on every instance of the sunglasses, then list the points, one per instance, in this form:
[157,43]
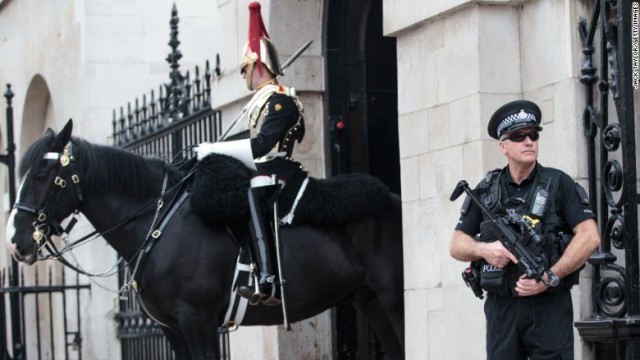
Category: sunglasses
[520,136]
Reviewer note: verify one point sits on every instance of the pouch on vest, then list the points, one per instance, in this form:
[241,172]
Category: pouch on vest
[492,278]
[487,231]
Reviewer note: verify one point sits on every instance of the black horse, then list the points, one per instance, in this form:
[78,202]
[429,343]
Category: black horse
[185,280]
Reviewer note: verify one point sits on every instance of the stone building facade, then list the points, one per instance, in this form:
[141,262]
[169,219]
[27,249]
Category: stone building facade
[457,61]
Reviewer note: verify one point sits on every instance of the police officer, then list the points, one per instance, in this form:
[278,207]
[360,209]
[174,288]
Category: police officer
[274,116]
[527,318]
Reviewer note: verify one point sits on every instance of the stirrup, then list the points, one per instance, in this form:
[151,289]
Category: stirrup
[262,297]
[245,291]
[256,296]
[270,299]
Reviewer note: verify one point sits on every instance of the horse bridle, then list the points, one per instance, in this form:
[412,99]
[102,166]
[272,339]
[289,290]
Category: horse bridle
[44,225]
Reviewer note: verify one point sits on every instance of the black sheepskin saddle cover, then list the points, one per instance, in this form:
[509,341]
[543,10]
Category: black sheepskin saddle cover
[220,185]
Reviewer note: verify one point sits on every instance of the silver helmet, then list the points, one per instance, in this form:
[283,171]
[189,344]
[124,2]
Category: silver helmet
[258,51]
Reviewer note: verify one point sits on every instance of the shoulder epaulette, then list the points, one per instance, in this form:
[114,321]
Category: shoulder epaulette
[285,90]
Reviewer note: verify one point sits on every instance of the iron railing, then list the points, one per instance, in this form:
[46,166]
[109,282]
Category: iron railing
[608,75]
[183,106]
[54,335]
[14,312]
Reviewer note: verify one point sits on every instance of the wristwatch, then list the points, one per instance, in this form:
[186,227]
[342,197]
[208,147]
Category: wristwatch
[554,280]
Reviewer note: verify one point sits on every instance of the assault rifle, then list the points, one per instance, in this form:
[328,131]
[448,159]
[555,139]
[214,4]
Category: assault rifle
[530,261]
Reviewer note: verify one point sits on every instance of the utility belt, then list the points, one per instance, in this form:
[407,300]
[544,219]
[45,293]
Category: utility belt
[514,295]
[501,282]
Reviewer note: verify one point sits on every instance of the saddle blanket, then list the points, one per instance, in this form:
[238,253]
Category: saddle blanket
[220,185]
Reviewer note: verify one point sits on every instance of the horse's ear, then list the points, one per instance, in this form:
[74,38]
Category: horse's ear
[63,136]
[48,132]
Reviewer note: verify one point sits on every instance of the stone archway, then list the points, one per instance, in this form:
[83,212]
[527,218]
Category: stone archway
[37,115]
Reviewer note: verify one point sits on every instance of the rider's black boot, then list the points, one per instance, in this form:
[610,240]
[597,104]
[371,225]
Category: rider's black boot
[261,199]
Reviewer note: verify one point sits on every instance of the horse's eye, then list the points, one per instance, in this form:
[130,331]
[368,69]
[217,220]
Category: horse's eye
[41,176]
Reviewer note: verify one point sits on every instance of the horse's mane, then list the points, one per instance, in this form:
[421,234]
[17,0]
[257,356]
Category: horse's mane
[106,167]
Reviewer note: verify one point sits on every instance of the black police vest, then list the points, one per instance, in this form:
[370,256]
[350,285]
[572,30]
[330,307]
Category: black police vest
[546,178]
[555,230]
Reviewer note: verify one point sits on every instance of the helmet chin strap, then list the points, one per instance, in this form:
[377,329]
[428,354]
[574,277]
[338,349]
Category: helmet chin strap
[249,75]
[271,81]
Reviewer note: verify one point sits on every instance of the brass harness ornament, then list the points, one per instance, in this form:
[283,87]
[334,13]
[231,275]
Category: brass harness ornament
[40,226]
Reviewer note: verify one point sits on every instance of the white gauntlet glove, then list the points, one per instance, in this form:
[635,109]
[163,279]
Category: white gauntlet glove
[239,149]
[205,149]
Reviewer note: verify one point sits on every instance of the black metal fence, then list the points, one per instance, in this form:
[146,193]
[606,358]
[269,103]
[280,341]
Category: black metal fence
[161,127]
[52,305]
[179,116]
[140,337]
[610,78]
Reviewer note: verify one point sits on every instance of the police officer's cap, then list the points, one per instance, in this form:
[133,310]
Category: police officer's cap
[513,116]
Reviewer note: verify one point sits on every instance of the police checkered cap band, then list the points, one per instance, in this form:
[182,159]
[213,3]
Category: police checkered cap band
[513,119]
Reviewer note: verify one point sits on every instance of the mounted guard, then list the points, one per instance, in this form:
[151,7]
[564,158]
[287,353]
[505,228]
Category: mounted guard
[274,117]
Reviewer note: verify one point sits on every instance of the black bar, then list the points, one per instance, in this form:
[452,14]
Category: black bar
[18,342]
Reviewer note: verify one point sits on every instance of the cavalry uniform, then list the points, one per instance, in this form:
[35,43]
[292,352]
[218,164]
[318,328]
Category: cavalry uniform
[276,124]
[275,120]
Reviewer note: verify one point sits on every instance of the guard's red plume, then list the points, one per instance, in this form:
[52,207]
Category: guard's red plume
[256,31]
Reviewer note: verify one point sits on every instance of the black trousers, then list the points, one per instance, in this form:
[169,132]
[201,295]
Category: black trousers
[539,327]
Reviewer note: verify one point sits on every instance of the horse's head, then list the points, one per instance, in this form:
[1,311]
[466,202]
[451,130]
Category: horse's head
[49,193]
